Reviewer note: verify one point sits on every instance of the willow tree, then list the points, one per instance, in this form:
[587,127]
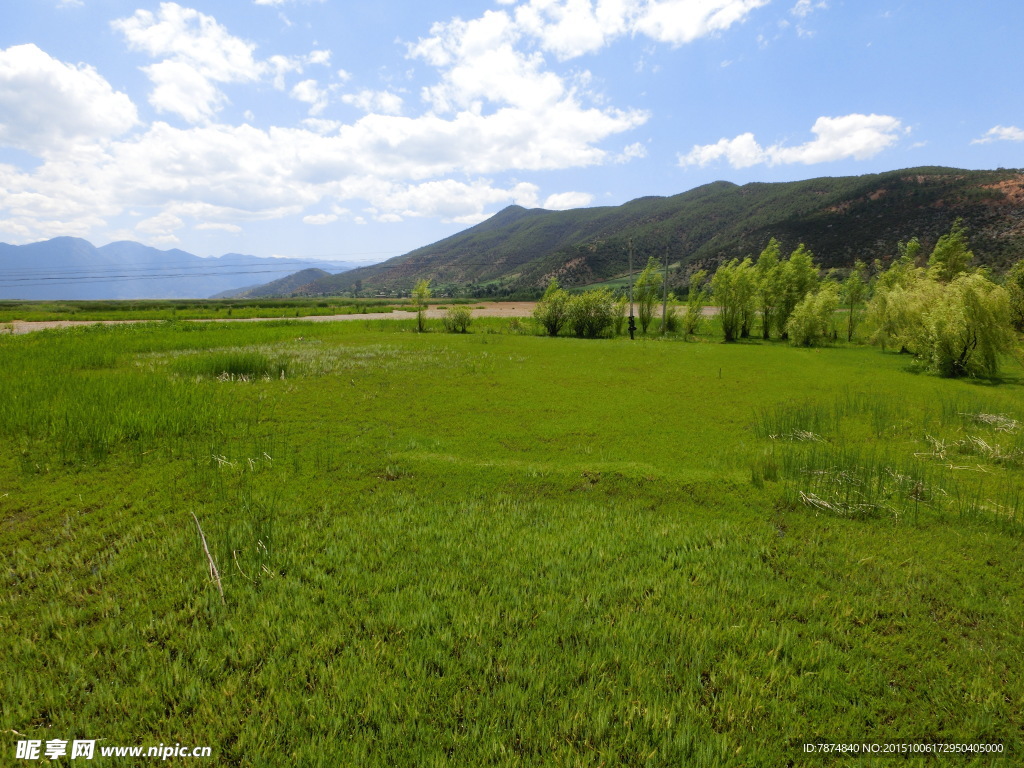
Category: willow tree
[647,291]
[770,285]
[798,277]
[951,255]
[854,291]
[955,329]
[734,288]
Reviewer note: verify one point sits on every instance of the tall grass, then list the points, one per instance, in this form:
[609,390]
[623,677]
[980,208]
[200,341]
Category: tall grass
[855,458]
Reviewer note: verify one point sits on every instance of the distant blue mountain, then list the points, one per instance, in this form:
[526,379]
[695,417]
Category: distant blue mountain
[72,268]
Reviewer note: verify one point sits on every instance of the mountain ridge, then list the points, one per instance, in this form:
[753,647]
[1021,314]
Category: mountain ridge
[840,219]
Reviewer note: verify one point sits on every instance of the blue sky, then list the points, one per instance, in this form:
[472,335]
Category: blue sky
[360,131]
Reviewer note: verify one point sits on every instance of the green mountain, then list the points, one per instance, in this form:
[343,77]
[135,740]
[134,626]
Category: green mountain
[840,219]
[294,284]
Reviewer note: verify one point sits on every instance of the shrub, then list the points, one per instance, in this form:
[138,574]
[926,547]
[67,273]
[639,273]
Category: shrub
[457,319]
[591,313]
[552,310]
[672,320]
[619,319]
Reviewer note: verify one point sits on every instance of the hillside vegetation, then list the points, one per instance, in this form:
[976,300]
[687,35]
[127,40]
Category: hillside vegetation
[842,219]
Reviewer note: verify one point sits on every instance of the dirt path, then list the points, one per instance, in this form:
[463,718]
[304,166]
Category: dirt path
[483,309]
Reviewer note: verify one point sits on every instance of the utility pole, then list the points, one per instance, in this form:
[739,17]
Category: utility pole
[664,297]
[632,322]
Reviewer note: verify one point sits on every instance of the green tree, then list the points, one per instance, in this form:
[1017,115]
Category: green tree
[968,327]
[799,276]
[895,312]
[591,313]
[909,251]
[733,287]
[951,255]
[855,290]
[420,297]
[646,292]
[955,329]
[812,320]
[552,310]
[770,273]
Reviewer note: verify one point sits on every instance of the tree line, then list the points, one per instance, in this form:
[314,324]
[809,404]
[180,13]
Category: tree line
[953,317]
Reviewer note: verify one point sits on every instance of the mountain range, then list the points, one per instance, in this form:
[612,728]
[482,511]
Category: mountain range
[841,219]
[72,268]
[518,250]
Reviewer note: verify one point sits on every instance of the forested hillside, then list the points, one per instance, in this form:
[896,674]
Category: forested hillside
[839,219]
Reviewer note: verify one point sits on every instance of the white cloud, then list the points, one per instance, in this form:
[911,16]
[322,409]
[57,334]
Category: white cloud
[804,8]
[507,110]
[215,225]
[321,126]
[449,200]
[319,57]
[281,66]
[46,104]
[494,108]
[161,224]
[309,92]
[198,53]
[683,21]
[382,102]
[480,63]
[563,201]
[572,28]
[575,27]
[1001,133]
[184,90]
[635,151]
[837,138]
[320,219]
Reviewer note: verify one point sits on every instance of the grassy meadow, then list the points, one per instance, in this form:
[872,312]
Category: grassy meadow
[500,549]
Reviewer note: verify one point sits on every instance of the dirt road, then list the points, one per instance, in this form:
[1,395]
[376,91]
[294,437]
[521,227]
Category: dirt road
[483,309]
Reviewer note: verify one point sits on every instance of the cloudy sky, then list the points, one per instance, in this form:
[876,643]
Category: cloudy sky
[359,131]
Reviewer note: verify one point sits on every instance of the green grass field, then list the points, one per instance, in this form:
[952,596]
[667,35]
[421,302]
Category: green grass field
[502,549]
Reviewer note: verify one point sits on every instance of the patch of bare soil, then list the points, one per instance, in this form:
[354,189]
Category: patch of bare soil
[1013,189]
